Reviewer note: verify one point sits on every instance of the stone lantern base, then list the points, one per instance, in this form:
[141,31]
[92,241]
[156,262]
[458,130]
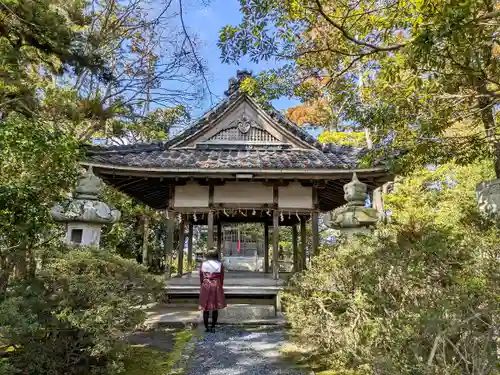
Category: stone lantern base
[85,234]
[351,232]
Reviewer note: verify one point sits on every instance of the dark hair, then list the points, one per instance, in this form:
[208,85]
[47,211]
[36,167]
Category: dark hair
[212,254]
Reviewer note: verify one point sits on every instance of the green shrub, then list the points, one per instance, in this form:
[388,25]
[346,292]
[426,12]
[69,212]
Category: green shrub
[418,296]
[72,317]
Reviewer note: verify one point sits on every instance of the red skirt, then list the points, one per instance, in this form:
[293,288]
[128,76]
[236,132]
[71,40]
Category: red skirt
[212,295]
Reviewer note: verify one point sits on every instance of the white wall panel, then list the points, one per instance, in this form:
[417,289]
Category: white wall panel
[243,193]
[295,196]
[191,195]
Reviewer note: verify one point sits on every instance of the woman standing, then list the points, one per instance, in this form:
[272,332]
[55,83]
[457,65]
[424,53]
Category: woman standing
[211,288]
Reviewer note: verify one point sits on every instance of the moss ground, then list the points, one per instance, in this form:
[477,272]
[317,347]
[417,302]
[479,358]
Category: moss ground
[154,359]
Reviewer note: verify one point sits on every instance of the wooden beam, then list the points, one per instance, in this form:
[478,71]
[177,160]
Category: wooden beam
[217,174]
[303,243]
[211,189]
[295,249]
[190,246]
[180,248]
[275,196]
[215,182]
[280,183]
[276,240]
[266,247]
[171,197]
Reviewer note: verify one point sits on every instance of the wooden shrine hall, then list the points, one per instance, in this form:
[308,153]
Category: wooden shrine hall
[239,163]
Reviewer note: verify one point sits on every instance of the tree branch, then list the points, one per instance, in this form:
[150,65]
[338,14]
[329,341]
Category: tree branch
[351,38]
[193,51]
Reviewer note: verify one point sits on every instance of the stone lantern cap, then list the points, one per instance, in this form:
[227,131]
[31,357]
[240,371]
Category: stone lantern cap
[86,206]
[355,192]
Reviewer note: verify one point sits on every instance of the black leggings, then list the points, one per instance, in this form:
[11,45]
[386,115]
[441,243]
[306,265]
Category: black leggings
[215,315]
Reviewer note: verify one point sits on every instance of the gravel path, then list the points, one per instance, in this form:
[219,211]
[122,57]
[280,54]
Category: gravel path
[240,351]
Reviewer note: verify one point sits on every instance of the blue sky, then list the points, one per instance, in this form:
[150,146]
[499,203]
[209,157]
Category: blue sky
[205,22]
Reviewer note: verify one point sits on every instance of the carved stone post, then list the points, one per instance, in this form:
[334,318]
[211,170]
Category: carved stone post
[85,214]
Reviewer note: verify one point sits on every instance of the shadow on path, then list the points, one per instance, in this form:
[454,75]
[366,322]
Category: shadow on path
[241,351]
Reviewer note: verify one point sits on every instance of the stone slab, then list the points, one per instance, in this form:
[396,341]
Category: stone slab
[171,316]
[241,314]
[228,290]
[238,313]
[236,278]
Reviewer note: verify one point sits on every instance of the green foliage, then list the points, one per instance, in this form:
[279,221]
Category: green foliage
[38,167]
[356,139]
[92,68]
[418,296]
[408,71]
[72,317]
[66,313]
[267,86]
[5,367]
[39,38]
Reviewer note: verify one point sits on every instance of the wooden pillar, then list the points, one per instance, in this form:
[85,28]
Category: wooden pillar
[210,220]
[303,243]
[314,222]
[190,246]
[295,249]
[145,237]
[266,247]
[210,236]
[315,233]
[219,240]
[170,244]
[180,249]
[276,239]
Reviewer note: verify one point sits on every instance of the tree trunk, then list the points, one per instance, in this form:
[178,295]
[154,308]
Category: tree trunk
[5,272]
[368,138]
[145,241]
[21,263]
[488,119]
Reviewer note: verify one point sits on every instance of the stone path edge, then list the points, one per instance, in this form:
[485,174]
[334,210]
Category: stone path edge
[183,364]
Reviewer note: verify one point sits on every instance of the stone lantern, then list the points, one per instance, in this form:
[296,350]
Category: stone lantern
[85,214]
[353,217]
[488,198]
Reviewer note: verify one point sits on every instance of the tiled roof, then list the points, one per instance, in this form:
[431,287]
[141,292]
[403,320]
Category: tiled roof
[165,155]
[225,104]
[156,156]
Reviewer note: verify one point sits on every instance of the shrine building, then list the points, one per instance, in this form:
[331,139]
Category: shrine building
[240,163]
